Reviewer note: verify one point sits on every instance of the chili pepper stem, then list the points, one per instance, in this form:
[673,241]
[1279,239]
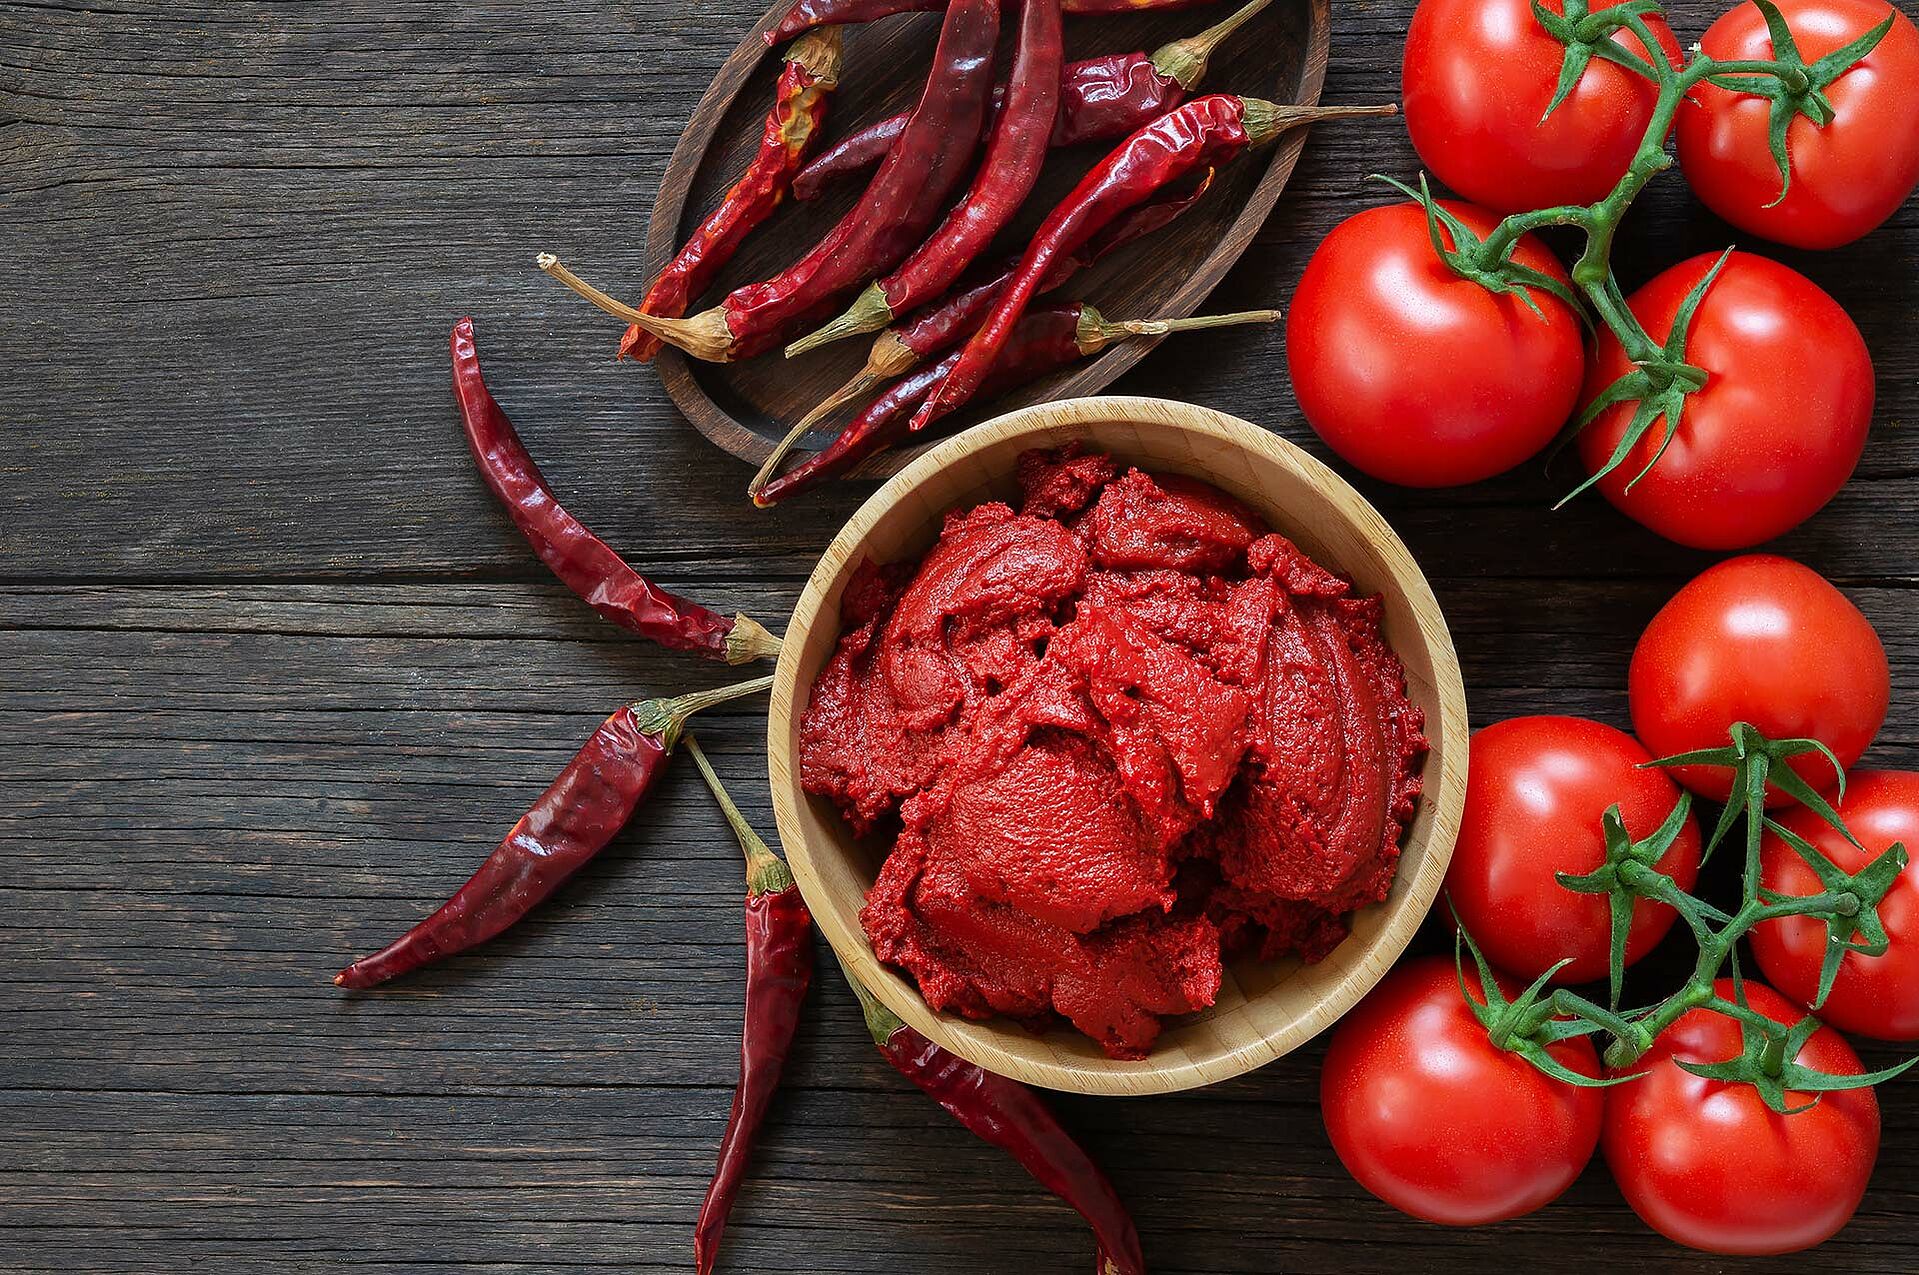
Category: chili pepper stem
[1184,61]
[1266,120]
[881,1022]
[868,313]
[704,336]
[766,872]
[888,358]
[749,640]
[1096,332]
[667,718]
[819,54]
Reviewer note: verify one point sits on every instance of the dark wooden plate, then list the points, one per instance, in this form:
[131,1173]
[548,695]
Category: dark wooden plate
[745,407]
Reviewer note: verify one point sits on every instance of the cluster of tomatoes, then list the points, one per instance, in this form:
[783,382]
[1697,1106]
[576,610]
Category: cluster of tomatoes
[1419,376]
[1431,1114]
[1417,372]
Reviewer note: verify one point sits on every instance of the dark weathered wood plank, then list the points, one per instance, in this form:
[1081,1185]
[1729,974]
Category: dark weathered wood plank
[273,674]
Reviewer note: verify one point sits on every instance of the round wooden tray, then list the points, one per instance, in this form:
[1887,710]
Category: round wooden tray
[745,407]
[1265,1008]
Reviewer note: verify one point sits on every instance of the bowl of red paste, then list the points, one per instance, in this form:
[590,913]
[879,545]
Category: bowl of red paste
[1118,745]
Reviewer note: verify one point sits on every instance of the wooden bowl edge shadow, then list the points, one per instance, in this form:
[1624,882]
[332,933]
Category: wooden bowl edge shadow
[681,381]
[1289,1003]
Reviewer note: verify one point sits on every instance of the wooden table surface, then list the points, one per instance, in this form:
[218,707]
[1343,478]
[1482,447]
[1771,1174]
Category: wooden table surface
[275,672]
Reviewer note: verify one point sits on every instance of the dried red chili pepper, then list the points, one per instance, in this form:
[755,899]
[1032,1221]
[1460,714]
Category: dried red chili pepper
[1006,176]
[944,324]
[1206,131]
[1045,339]
[779,967]
[573,820]
[901,203]
[581,559]
[1100,98]
[808,79]
[1011,1117]
[807,14]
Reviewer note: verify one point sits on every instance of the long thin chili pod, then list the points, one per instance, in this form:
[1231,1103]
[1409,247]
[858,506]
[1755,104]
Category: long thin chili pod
[900,204]
[945,323]
[1100,98]
[573,820]
[807,14]
[1046,339]
[1006,176]
[1011,1117]
[779,967]
[587,564]
[807,81]
[1205,132]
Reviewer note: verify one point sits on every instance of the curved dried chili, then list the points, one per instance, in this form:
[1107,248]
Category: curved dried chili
[580,812]
[1011,1117]
[1006,176]
[584,562]
[810,74]
[1045,340]
[901,203]
[1100,98]
[1206,131]
[807,14]
[779,968]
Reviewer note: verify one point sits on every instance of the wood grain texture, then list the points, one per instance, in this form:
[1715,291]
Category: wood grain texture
[274,672]
[1280,55]
[1265,1009]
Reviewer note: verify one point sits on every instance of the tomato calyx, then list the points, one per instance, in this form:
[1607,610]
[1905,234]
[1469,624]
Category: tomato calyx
[1757,762]
[1479,261]
[1588,35]
[1630,872]
[1768,1058]
[1854,925]
[1794,87]
[1530,1023]
[1657,385]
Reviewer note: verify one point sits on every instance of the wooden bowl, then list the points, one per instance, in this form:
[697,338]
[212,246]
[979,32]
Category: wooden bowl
[745,407]
[1265,1008]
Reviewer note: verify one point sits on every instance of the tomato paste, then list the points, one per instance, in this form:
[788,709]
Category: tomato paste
[1115,736]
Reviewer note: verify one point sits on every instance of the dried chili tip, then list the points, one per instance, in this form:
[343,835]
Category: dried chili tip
[705,336]
[1008,1115]
[593,797]
[1095,331]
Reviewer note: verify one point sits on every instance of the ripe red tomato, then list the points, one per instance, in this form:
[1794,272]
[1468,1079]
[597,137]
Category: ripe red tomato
[1778,427]
[1478,76]
[1536,789]
[1418,376]
[1761,640]
[1872,995]
[1433,1119]
[1848,176]
[1707,1163]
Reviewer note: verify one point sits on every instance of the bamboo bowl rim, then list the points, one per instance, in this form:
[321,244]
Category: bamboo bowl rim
[1265,1009]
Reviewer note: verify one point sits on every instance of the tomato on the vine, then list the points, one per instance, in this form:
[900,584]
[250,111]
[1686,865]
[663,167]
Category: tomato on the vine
[1765,641]
[1775,431]
[1433,1118]
[1477,78]
[1536,790]
[1419,376]
[1872,995]
[1708,1164]
[1848,175]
